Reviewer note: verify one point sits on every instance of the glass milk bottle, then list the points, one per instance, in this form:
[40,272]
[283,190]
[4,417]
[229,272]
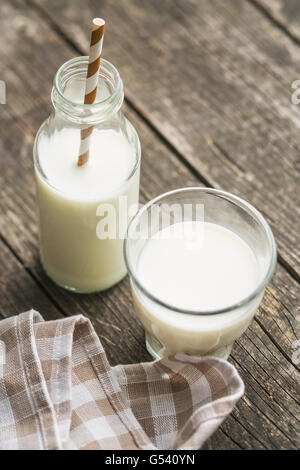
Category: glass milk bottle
[84,211]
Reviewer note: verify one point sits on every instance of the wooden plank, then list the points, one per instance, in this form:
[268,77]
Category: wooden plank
[283,13]
[18,290]
[263,354]
[219,92]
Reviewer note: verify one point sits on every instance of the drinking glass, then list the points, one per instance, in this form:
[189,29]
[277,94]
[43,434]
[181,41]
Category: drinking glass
[170,329]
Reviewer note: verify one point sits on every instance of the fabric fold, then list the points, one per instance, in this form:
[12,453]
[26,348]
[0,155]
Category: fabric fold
[58,391]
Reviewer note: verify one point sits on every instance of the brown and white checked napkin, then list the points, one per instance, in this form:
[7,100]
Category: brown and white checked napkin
[58,391]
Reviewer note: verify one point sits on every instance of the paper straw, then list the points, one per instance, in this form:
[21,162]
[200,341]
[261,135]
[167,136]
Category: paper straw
[91,84]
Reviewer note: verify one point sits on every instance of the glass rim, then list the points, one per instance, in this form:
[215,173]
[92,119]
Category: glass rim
[237,201]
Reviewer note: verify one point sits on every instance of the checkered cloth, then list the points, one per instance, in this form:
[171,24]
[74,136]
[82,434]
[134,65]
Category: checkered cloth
[58,391]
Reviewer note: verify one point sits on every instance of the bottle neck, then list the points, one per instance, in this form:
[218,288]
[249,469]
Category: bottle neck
[68,92]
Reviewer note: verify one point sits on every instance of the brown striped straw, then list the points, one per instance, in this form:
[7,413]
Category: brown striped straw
[91,84]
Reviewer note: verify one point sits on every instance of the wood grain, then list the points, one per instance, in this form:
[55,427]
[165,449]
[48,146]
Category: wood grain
[285,14]
[18,290]
[267,416]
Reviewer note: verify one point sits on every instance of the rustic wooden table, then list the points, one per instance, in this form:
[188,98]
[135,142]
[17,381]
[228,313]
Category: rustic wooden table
[208,87]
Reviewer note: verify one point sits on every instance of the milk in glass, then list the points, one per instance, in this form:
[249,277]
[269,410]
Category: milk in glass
[199,267]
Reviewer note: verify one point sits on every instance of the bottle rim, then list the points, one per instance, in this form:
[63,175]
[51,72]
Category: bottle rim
[81,112]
